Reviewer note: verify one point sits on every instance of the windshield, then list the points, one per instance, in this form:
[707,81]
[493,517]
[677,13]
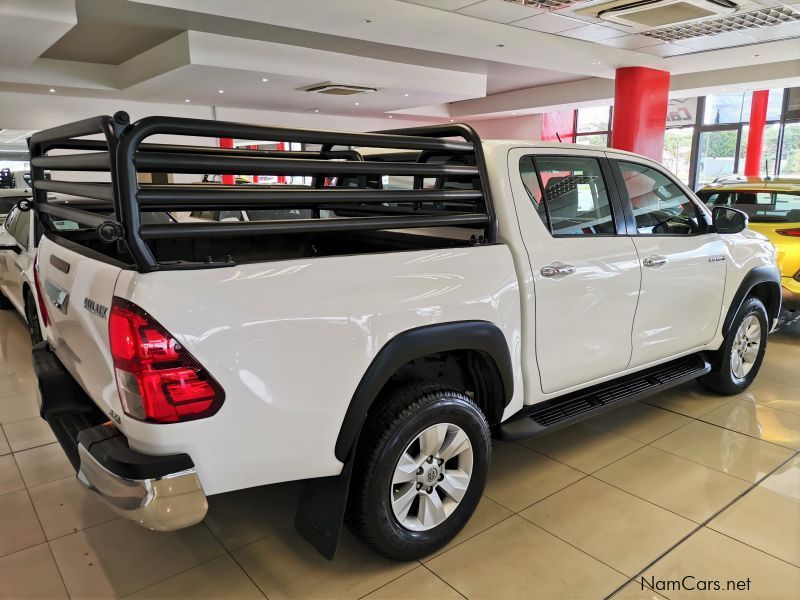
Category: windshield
[760,206]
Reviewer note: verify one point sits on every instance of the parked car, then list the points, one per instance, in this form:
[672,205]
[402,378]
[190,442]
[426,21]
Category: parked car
[773,208]
[14,186]
[17,255]
[375,350]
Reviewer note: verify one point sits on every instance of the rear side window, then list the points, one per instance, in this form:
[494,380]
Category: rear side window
[22,228]
[569,194]
[761,207]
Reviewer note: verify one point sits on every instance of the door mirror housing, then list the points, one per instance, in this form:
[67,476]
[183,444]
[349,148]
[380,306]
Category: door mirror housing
[729,220]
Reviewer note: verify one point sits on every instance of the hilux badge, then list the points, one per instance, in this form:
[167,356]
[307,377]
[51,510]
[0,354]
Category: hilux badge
[95,308]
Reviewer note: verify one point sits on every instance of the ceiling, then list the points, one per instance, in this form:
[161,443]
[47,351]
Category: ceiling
[430,59]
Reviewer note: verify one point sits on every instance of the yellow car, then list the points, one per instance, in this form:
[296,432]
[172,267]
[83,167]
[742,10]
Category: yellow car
[773,206]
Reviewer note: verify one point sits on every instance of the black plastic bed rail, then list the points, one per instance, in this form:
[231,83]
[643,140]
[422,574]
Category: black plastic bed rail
[444,153]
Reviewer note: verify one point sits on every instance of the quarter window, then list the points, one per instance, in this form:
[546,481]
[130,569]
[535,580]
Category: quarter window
[569,194]
[659,205]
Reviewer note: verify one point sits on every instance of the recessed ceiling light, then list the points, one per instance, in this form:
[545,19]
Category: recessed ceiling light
[501,45]
[406,95]
[451,120]
[754,55]
[187,100]
[390,116]
[264,79]
[316,110]
[596,62]
[52,91]
[356,103]
[366,20]
[222,91]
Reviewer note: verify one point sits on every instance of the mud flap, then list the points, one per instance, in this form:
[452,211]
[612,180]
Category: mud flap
[320,512]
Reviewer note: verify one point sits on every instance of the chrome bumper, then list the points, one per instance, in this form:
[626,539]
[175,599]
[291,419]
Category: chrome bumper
[166,503]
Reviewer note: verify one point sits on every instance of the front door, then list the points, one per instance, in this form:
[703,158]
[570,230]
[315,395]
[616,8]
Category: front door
[585,269]
[683,264]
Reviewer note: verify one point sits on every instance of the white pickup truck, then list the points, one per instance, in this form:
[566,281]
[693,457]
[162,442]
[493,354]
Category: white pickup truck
[439,291]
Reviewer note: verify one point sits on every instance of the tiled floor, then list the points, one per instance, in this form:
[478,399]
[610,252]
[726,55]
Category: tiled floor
[686,484]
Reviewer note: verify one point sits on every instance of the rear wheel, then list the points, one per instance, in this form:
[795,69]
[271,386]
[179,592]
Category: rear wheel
[420,470]
[737,362]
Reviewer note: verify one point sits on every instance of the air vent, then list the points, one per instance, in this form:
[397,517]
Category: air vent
[650,14]
[765,17]
[337,89]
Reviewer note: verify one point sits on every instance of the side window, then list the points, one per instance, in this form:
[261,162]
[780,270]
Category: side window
[10,221]
[659,205]
[569,194]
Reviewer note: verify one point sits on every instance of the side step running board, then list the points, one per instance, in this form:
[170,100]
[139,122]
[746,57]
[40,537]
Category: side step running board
[552,414]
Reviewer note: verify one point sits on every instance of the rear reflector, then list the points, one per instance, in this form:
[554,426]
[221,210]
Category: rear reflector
[794,231]
[158,380]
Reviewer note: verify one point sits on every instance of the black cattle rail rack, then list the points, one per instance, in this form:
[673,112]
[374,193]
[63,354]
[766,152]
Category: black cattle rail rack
[441,153]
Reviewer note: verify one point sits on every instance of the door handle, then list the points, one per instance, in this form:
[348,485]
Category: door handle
[555,269]
[655,260]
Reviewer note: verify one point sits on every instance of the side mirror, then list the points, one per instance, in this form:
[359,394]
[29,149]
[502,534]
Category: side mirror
[729,220]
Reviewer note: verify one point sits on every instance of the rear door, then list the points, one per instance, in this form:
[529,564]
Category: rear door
[78,290]
[585,269]
[683,262]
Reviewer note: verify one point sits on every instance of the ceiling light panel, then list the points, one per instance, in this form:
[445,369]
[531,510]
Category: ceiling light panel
[765,17]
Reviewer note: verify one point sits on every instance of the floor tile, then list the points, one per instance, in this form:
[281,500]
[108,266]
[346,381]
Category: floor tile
[765,520]
[621,530]
[517,559]
[286,566]
[708,555]
[487,514]
[18,406]
[724,450]
[28,433]
[43,464]
[19,527]
[518,476]
[65,506]
[219,578]
[786,479]
[30,574]
[584,446]
[780,362]
[775,395]
[776,426]
[689,399]
[16,382]
[419,584]
[691,490]
[639,421]
[119,557]
[4,447]
[10,479]
[240,518]
[635,591]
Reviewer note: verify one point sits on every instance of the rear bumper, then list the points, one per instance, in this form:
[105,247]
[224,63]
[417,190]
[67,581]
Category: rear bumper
[162,493]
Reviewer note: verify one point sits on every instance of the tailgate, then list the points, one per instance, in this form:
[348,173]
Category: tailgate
[78,291]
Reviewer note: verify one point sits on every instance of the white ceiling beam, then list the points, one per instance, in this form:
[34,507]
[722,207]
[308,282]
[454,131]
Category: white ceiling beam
[30,27]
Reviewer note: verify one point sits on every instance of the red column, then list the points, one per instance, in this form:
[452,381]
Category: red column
[755,139]
[640,110]
[227,143]
[559,124]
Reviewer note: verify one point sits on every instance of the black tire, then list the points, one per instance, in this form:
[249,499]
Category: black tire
[400,418]
[32,317]
[721,379]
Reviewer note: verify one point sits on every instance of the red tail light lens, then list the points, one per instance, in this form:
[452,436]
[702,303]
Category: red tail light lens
[40,293]
[793,232]
[158,380]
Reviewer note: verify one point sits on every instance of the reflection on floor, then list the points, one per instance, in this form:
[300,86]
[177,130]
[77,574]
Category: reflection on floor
[685,484]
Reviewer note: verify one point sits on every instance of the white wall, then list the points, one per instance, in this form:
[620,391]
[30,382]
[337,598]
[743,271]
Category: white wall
[525,127]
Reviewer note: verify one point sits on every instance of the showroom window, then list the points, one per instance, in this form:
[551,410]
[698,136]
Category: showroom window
[569,194]
[593,126]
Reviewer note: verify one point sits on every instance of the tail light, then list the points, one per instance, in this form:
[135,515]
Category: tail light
[40,293]
[793,232]
[158,380]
